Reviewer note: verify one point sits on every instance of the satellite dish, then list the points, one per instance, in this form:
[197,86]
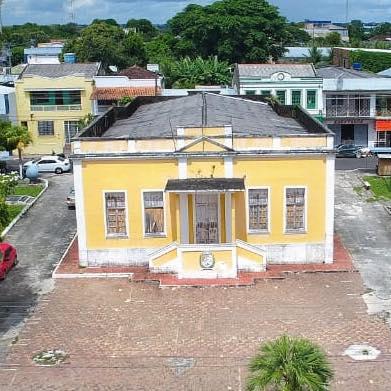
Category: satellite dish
[113,68]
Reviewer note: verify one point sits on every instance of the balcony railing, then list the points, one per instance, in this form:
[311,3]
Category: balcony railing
[55,107]
[348,106]
[383,112]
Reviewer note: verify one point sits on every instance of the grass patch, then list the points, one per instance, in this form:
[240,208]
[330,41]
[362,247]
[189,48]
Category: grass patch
[380,186]
[28,190]
[13,211]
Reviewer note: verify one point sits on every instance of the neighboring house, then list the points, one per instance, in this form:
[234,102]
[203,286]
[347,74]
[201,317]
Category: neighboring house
[198,186]
[342,56]
[222,90]
[108,90]
[322,28]
[140,77]
[8,104]
[385,73]
[357,106]
[44,53]
[292,84]
[301,53]
[51,99]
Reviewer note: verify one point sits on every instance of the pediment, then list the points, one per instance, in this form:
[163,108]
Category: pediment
[205,144]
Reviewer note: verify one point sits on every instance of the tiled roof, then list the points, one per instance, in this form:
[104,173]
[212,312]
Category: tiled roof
[61,70]
[267,70]
[115,93]
[136,72]
[344,73]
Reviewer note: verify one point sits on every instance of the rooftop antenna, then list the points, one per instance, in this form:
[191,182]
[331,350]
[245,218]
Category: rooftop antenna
[72,16]
[1,16]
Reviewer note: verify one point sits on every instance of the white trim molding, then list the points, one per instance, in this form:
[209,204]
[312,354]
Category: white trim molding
[157,234]
[228,167]
[80,212]
[329,229]
[180,134]
[182,168]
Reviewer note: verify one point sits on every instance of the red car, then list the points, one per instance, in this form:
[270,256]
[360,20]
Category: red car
[8,259]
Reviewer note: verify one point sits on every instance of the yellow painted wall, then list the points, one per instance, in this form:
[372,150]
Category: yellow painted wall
[199,132]
[205,146]
[165,258]
[249,255]
[103,146]
[46,144]
[133,177]
[205,168]
[277,173]
[303,142]
[191,260]
[252,143]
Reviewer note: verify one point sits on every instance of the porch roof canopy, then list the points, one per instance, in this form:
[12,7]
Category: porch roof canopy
[192,185]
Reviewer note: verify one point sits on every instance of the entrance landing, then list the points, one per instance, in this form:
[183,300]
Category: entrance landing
[69,268]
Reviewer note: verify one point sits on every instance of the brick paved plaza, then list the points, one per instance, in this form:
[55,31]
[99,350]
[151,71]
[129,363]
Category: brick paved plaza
[134,336]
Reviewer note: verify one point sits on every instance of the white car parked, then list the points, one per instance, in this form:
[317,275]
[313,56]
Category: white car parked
[53,163]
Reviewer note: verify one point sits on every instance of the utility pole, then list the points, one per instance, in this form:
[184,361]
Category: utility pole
[71,12]
[1,16]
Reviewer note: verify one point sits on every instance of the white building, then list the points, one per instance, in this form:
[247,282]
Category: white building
[291,84]
[321,28]
[357,106]
[8,104]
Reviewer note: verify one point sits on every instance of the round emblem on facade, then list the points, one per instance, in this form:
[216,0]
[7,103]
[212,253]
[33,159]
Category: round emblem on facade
[207,260]
[280,76]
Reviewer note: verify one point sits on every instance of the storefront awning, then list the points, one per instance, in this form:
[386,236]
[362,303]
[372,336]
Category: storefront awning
[192,185]
[383,125]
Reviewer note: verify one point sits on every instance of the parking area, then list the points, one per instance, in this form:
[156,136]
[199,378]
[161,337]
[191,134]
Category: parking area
[40,237]
[130,336]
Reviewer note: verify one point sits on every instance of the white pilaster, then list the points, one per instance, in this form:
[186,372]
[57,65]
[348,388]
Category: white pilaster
[80,213]
[276,142]
[228,217]
[184,218]
[330,142]
[228,136]
[180,141]
[131,146]
[329,238]
[182,168]
[76,146]
[228,167]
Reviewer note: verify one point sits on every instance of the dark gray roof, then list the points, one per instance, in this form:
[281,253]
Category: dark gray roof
[205,184]
[60,70]
[162,119]
[266,70]
[344,73]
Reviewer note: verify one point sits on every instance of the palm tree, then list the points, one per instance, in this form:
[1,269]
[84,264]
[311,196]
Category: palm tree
[289,364]
[314,55]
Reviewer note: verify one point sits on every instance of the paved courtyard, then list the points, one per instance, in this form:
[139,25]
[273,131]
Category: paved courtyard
[134,336]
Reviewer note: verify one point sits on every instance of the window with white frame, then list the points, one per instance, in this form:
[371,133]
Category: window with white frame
[258,209]
[295,209]
[45,128]
[115,213]
[153,212]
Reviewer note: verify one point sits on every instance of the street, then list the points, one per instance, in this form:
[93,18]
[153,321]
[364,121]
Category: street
[354,163]
[40,238]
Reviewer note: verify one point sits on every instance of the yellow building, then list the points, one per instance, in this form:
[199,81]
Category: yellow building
[204,186]
[51,99]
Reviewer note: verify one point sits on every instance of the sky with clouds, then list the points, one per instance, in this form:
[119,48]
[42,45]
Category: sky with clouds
[159,11]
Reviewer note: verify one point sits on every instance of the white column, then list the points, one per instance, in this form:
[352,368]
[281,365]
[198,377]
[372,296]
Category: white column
[329,237]
[80,213]
[228,217]
[184,218]
[180,140]
[228,167]
[182,168]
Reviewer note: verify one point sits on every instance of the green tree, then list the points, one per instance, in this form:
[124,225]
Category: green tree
[143,27]
[17,55]
[356,31]
[99,42]
[14,137]
[133,50]
[159,49]
[297,35]
[110,22]
[314,55]
[333,39]
[234,30]
[289,364]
